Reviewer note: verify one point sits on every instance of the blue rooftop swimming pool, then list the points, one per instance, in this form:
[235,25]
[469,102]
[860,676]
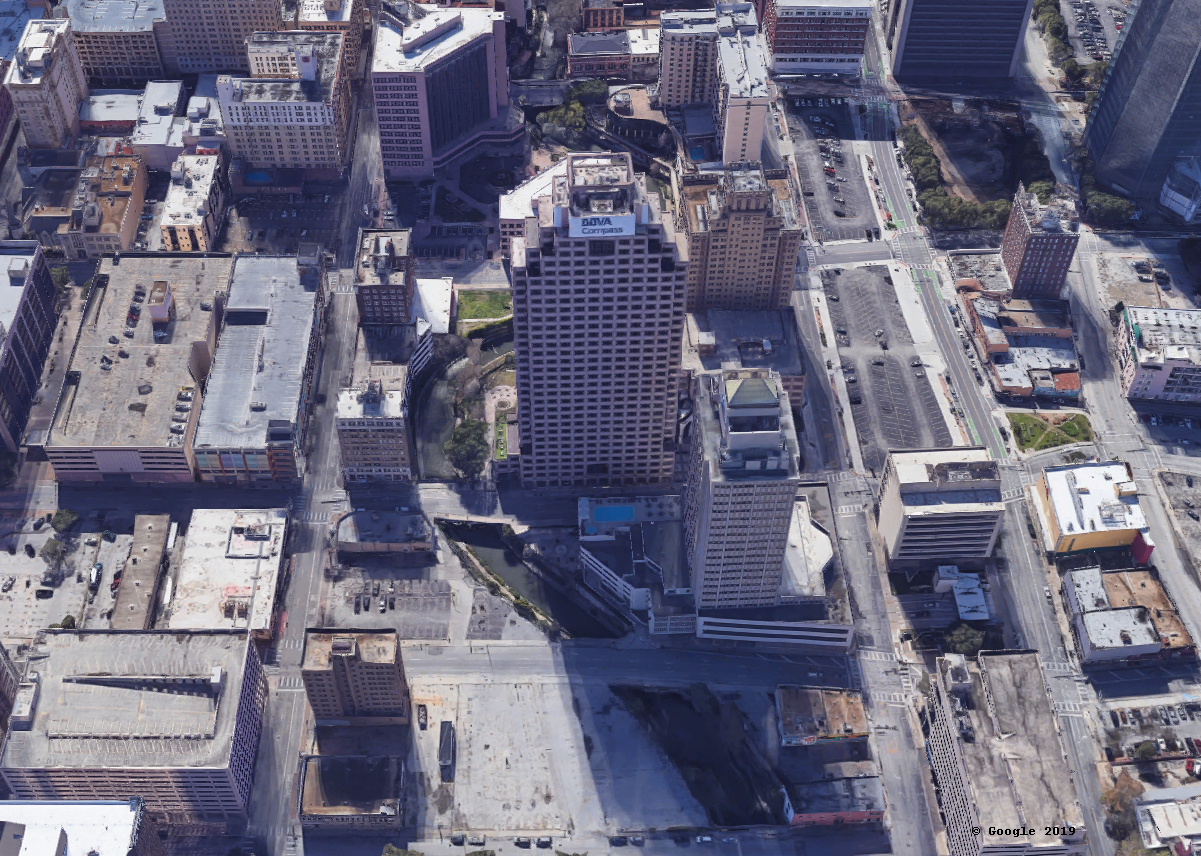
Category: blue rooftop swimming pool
[613,513]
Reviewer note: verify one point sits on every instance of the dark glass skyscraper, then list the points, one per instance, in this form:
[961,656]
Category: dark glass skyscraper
[952,41]
[1148,112]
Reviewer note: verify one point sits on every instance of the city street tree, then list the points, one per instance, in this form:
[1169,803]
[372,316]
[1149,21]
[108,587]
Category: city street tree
[53,552]
[966,640]
[467,448]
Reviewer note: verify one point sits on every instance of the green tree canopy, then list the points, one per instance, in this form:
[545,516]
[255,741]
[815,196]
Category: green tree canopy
[965,639]
[467,448]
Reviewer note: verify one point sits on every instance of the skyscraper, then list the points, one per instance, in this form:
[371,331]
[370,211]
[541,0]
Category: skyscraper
[1148,112]
[598,316]
[947,41]
[688,51]
[1038,246]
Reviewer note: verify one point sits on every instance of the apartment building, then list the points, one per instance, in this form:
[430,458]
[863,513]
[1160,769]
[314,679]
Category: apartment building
[688,51]
[211,37]
[331,16]
[742,485]
[1004,785]
[599,283]
[295,109]
[940,505]
[742,98]
[28,320]
[132,418]
[101,216]
[1092,506]
[1160,354]
[356,675]
[744,234]
[258,397]
[117,41]
[952,41]
[100,827]
[47,83]
[384,277]
[195,204]
[817,36]
[441,88]
[373,434]
[175,717]
[1039,243]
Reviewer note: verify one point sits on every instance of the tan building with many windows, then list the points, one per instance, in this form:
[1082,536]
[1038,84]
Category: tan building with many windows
[373,433]
[331,16]
[207,37]
[383,278]
[688,51]
[195,204]
[743,238]
[117,40]
[47,83]
[294,112]
[103,217]
[355,675]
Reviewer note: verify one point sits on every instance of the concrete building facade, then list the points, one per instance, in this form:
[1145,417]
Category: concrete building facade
[10,679]
[688,51]
[103,217]
[99,827]
[1038,246]
[195,204]
[1145,115]
[47,83]
[994,743]
[373,434]
[813,37]
[331,16]
[355,675]
[599,283]
[28,319]
[952,41]
[742,484]
[743,238]
[602,15]
[441,88]
[940,505]
[118,42]
[742,99]
[205,38]
[1160,354]
[295,112]
[384,278]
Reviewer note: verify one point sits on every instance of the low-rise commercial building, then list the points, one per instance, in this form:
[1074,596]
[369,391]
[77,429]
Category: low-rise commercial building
[373,434]
[396,534]
[817,36]
[807,716]
[143,354]
[295,109]
[96,827]
[138,589]
[158,138]
[838,802]
[1092,506]
[355,677]
[1123,615]
[100,215]
[383,278]
[1028,344]
[441,88]
[255,414]
[940,504]
[1004,785]
[117,41]
[173,716]
[1169,819]
[742,98]
[110,113]
[1038,246]
[230,573]
[28,318]
[1160,354]
[195,204]
[47,83]
[604,55]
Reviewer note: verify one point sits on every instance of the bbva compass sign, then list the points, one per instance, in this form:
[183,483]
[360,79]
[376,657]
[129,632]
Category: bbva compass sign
[602,224]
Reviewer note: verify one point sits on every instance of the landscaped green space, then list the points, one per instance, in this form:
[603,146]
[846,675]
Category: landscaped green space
[485,304]
[502,438]
[1034,433]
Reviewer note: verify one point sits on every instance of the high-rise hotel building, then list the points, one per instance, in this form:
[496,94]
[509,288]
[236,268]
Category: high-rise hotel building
[598,310]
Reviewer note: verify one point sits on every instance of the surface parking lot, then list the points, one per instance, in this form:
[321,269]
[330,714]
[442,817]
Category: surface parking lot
[811,127]
[888,384]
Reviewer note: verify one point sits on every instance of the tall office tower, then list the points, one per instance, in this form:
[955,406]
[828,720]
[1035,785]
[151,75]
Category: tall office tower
[1038,246]
[294,111]
[742,484]
[441,86]
[212,36]
[383,278]
[741,106]
[688,51]
[47,83]
[817,36]
[952,41]
[354,674]
[117,42]
[743,237]
[372,430]
[598,316]
[1146,114]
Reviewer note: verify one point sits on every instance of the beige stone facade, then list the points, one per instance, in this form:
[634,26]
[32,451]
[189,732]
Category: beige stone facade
[355,674]
[47,83]
[106,208]
[373,433]
[212,36]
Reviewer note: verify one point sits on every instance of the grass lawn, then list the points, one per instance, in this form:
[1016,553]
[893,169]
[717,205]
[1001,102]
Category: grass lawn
[502,439]
[485,304]
[1035,433]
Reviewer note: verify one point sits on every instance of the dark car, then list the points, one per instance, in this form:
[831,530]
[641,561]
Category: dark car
[544,842]
[44,594]
[458,840]
[618,841]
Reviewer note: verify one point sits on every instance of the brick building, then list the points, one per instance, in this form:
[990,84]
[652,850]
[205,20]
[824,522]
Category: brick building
[816,36]
[354,674]
[1040,241]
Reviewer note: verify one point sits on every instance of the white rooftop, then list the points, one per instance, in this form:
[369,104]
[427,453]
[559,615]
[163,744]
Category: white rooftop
[188,194]
[644,42]
[742,58]
[740,15]
[1095,497]
[430,39]
[1165,815]
[352,404]
[432,300]
[317,10]
[518,203]
[229,570]
[1088,588]
[1120,628]
[95,828]
[969,598]
[1167,334]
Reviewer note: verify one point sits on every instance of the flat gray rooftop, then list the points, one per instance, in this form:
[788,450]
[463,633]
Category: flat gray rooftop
[96,411]
[106,701]
[258,371]
[114,16]
[739,337]
[16,257]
